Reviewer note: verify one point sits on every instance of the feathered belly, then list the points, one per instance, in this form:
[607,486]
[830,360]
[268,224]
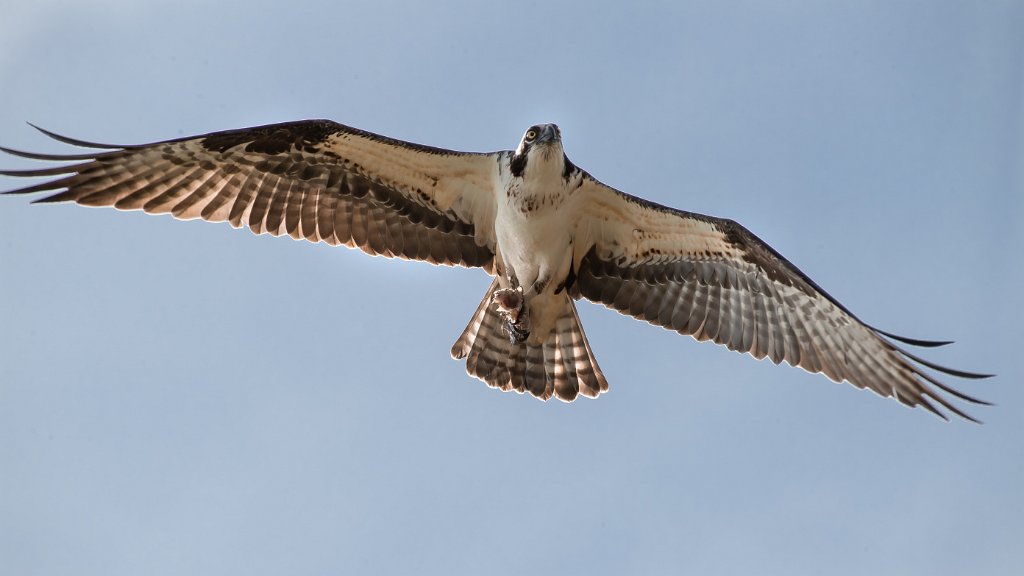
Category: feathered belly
[535,249]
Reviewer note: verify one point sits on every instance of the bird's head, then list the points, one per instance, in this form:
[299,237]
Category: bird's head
[541,146]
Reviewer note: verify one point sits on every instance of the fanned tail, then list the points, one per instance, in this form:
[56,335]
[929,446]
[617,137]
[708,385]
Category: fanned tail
[563,366]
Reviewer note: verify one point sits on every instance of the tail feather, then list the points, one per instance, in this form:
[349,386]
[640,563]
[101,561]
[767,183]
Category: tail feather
[562,366]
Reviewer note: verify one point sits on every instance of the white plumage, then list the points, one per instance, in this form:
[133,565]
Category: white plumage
[549,233]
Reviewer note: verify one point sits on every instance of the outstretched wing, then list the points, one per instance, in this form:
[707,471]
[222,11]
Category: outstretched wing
[312,179]
[714,280]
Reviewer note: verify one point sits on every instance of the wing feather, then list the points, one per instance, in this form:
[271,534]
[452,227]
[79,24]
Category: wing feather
[714,280]
[315,180]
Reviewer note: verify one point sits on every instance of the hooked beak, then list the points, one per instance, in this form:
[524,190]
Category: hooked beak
[548,133]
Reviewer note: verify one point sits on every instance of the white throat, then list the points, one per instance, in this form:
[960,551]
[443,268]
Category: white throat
[545,165]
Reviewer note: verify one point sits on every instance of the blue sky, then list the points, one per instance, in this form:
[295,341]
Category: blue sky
[188,398]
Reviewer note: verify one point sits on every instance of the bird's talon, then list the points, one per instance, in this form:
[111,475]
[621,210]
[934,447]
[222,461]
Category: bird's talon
[510,305]
[509,302]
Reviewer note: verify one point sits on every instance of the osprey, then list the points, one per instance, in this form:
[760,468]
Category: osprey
[548,232]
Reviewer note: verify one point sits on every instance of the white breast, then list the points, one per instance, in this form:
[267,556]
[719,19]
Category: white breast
[534,229]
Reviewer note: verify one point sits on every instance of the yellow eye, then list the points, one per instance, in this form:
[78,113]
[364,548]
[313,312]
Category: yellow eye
[531,135]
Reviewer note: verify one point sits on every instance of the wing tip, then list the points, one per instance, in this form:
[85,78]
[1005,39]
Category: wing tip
[913,341]
[943,369]
[42,156]
[75,141]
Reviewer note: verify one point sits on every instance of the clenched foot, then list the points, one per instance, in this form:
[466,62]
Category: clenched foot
[510,303]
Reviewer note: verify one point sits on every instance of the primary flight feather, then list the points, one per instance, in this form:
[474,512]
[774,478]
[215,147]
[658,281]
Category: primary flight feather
[546,230]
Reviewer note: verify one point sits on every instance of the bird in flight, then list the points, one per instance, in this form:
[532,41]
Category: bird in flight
[547,231]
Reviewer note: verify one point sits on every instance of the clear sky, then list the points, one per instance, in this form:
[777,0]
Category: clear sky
[185,398]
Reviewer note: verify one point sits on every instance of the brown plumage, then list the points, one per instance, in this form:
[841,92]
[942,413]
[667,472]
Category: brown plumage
[529,217]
